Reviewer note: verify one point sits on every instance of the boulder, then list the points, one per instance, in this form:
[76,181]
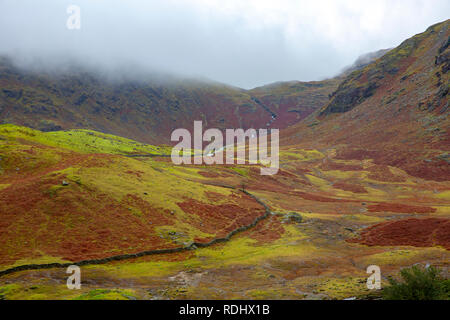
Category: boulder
[293,217]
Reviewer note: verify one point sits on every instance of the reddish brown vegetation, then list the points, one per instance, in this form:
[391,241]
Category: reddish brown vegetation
[315,197]
[75,225]
[223,218]
[267,231]
[408,232]
[286,174]
[350,187]
[72,222]
[268,183]
[382,173]
[213,196]
[135,173]
[356,154]
[412,162]
[329,165]
[399,208]
[208,174]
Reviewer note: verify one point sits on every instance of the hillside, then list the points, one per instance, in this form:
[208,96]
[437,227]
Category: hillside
[82,202]
[291,102]
[364,60]
[363,180]
[394,111]
[148,110]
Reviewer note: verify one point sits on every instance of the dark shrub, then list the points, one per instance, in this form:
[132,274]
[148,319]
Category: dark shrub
[418,283]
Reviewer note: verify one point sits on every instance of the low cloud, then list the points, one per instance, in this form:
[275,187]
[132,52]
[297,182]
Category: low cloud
[243,43]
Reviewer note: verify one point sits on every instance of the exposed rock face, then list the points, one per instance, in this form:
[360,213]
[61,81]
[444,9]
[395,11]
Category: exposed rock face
[444,57]
[347,97]
[363,83]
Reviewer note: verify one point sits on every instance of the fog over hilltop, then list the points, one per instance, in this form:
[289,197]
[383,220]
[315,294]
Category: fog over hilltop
[241,43]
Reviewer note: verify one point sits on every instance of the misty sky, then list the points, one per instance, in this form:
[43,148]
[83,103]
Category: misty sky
[245,43]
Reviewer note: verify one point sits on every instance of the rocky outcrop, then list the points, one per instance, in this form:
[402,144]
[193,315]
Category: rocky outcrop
[347,97]
[363,83]
[443,59]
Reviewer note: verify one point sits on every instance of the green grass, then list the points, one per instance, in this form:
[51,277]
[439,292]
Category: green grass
[105,294]
[83,141]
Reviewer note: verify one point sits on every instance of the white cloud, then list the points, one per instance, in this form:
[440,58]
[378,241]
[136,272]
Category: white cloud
[245,43]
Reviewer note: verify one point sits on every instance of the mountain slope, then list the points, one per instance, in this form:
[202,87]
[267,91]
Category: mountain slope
[394,111]
[293,101]
[148,110]
[364,60]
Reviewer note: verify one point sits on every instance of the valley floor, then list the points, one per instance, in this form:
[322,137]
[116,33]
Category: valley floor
[60,202]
